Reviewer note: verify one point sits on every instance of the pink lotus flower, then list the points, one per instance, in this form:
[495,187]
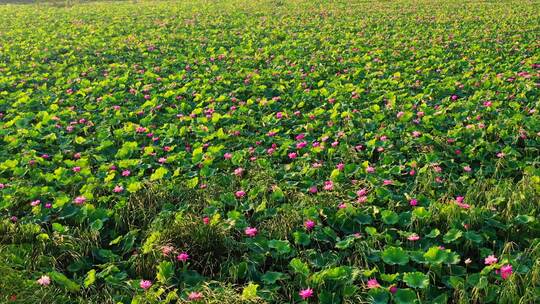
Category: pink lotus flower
[399,114]
[76,169]
[227,156]
[238,172]
[309,224]
[340,166]
[393,289]
[118,189]
[370,169]
[300,136]
[250,231]
[416,134]
[306,293]
[206,220]
[454,97]
[162,160]
[79,200]
[506,271]
[373,284]
[301,145]
[460,203]
[35,203]
[362,192]
[292,155]
[279,115]
[388,182]
[195,296]
[487,103]
[183,257]
[145,284]
[328,185]
[313,189]
[501,155]
[44,280]
[126,173]
[490,260]
[342,206]
[413,237]
[240,193]
[2,186]
[413,202]
[467,169]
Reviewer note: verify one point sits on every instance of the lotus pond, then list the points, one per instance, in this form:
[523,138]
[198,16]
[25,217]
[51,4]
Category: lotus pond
[270,152]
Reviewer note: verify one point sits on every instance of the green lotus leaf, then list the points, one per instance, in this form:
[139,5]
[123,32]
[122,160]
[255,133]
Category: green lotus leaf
[416,280]
[395,255]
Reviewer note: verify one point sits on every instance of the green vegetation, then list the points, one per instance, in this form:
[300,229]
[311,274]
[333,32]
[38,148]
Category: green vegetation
[270,152]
